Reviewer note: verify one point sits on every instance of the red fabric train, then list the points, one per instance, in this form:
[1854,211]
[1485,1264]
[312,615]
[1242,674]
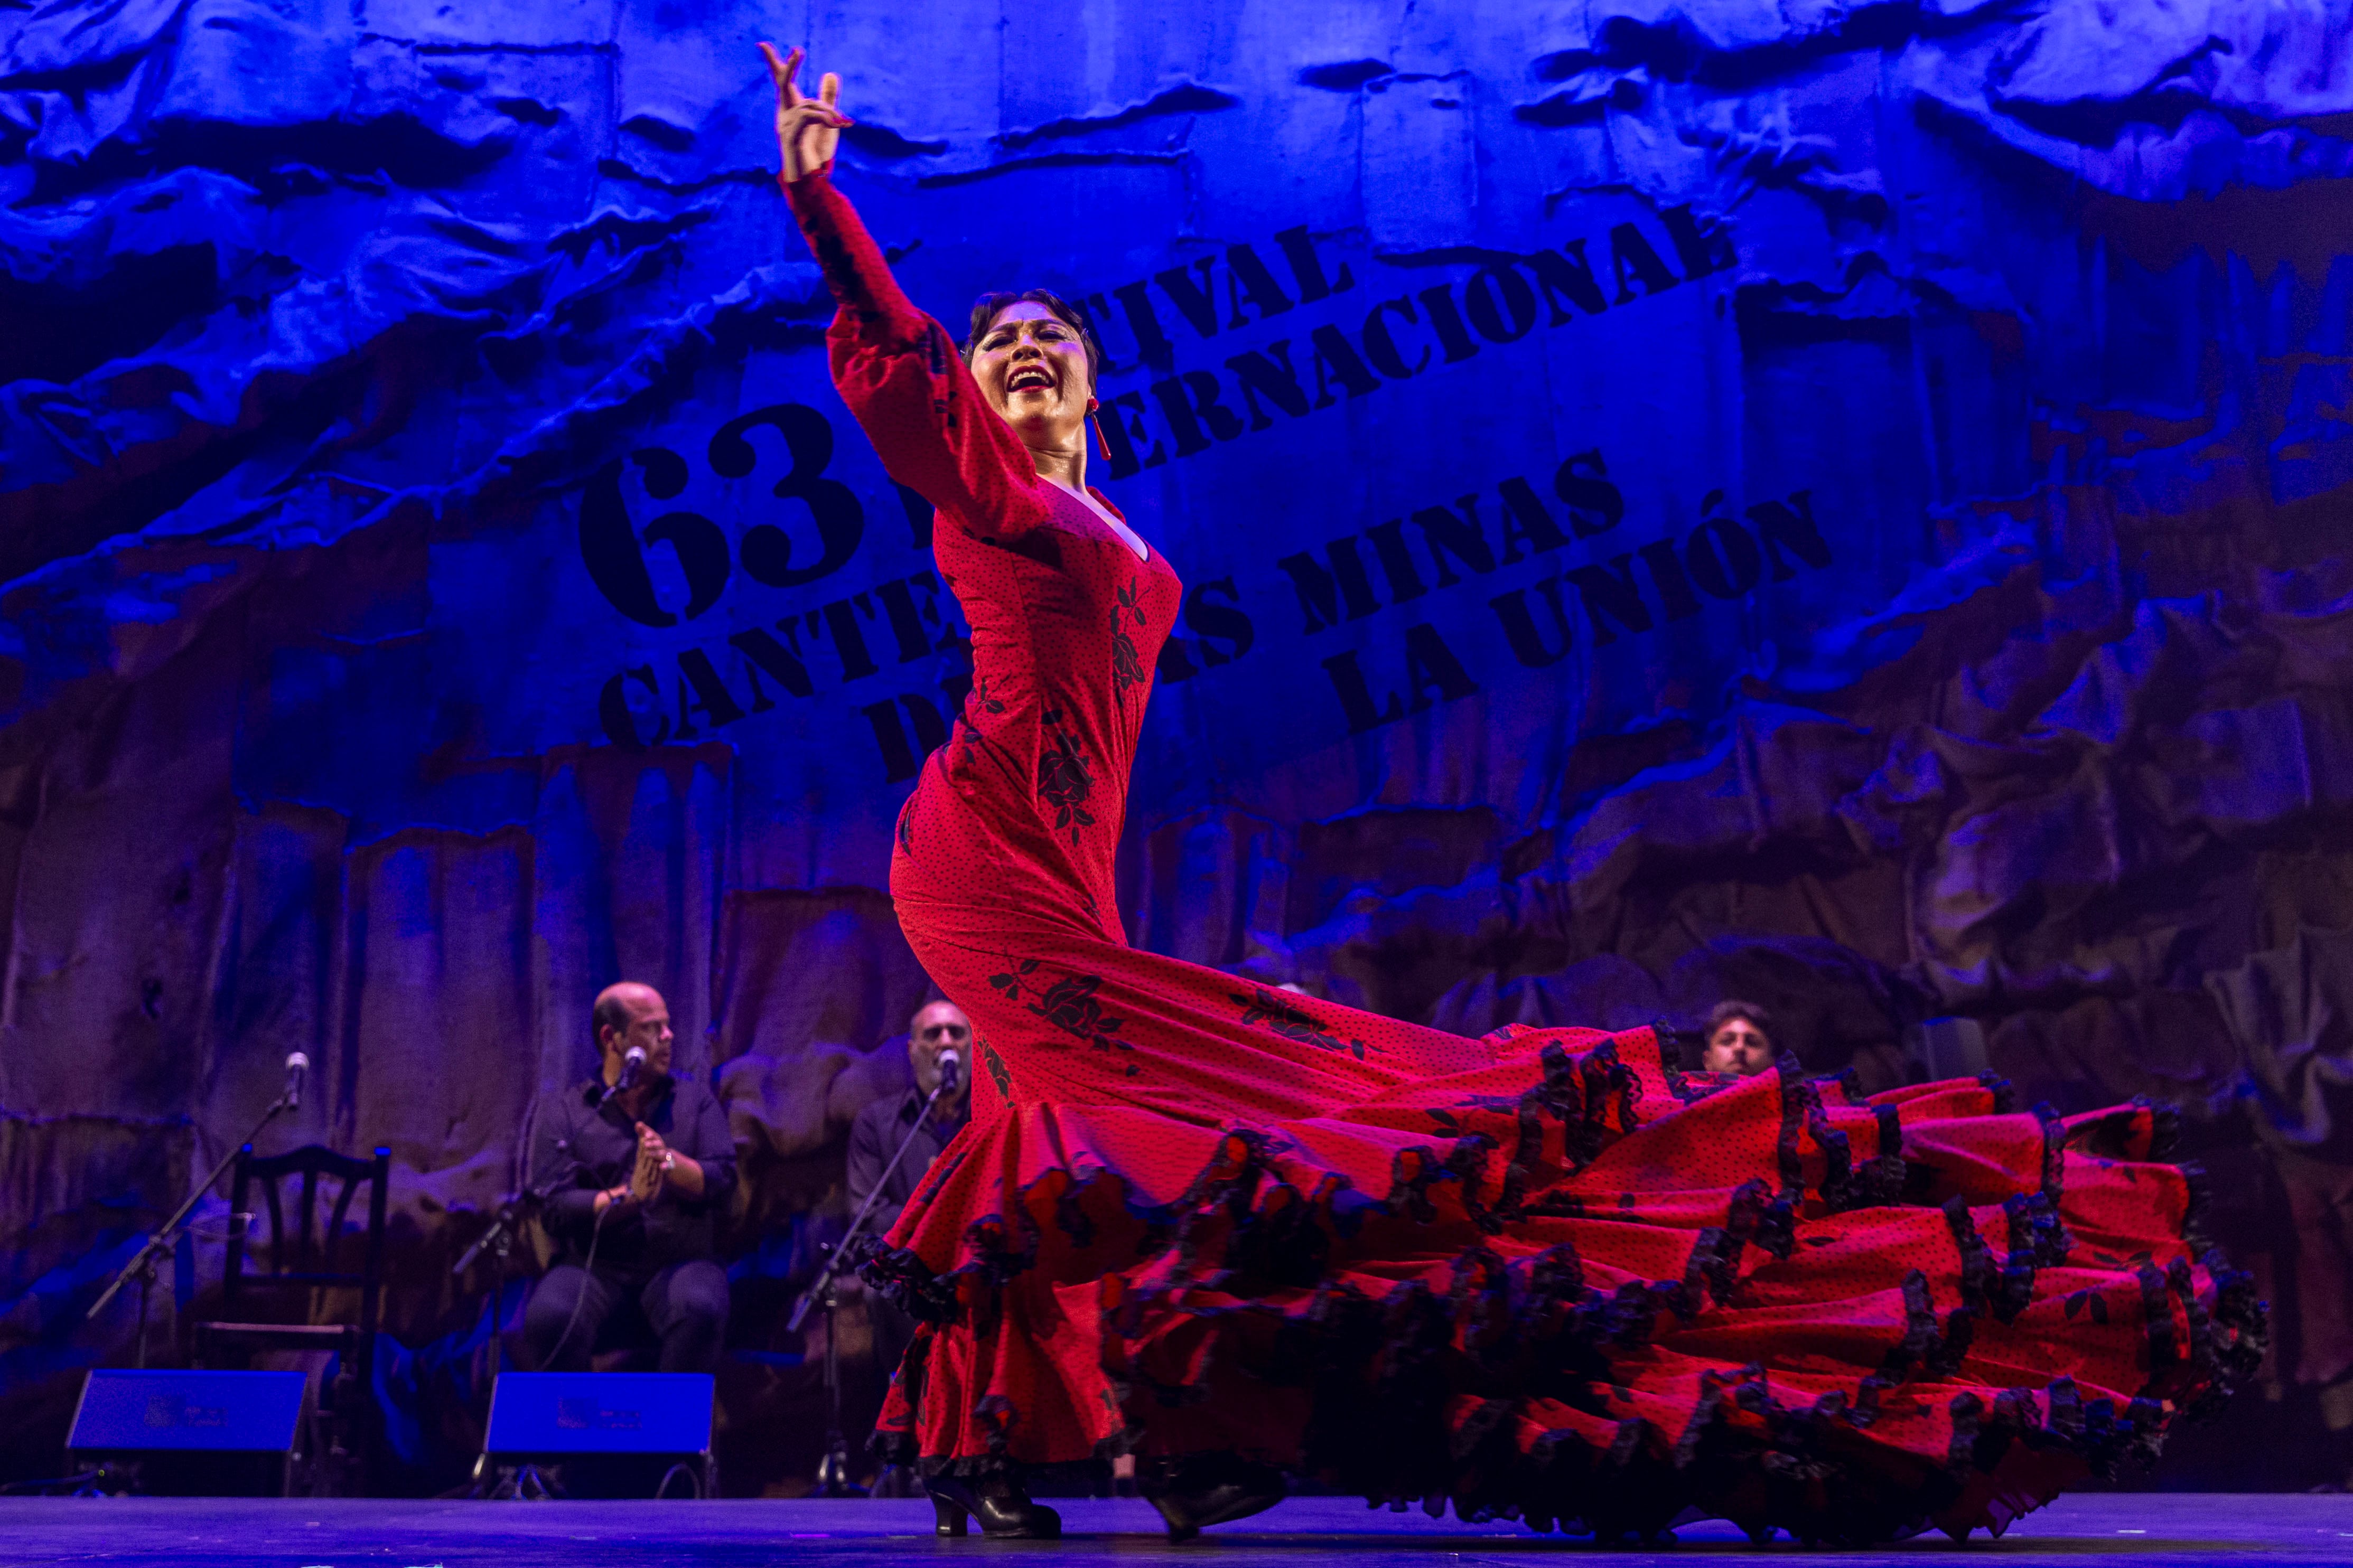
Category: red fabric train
[1592,1290]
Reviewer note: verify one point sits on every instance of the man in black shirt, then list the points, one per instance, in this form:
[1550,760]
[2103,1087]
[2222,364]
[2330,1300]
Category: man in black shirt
[651,1166]
[875,1136]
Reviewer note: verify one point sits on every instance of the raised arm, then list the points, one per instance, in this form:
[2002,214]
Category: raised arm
[896,367]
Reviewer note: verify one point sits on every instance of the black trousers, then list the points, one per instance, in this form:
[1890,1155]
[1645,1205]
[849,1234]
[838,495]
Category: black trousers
[685,1305]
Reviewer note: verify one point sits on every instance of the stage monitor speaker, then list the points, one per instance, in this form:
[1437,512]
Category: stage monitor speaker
[193,1433]
[577,1419]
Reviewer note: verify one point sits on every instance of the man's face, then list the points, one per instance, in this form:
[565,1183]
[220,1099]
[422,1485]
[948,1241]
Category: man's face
[648,1029]
[1739,1048]
[939,1027]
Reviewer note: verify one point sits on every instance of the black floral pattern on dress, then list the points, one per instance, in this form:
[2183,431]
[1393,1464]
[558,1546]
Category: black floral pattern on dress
[907,827]
[1268,1007]
[1064,779]
[1127,663]
[1069,1004]
[1450,1123]
[979,699]
[996,1066]
[2088,1296]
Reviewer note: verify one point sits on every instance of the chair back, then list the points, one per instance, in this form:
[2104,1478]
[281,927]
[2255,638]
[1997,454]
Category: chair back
[303,1252]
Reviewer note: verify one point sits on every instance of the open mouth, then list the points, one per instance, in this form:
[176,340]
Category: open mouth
[1029,378]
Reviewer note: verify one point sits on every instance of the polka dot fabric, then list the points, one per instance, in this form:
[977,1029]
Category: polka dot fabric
[1543,1275]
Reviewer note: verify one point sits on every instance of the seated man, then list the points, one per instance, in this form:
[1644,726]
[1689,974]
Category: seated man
[649,1169]
[875,1136]
[1738,1045]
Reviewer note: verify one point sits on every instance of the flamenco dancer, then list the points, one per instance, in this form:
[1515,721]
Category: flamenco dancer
[1241,1233]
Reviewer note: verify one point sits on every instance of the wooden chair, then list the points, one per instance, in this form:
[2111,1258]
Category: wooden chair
[271,1308]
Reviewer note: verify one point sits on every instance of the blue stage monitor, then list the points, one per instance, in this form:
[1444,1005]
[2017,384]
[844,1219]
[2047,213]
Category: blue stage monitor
[219,1411]
[600,1413]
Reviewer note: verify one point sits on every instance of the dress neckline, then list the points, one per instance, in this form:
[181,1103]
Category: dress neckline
[1144,558]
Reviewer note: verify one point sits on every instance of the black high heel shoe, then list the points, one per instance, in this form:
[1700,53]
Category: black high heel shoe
[1004,1509]
[1200,1489]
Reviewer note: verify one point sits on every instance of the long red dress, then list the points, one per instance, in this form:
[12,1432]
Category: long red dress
[1544,1274]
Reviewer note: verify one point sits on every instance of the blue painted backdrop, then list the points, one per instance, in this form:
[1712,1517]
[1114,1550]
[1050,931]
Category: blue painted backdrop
[1842,504]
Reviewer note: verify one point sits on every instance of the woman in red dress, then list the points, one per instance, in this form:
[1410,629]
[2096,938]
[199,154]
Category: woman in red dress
[1239,1232]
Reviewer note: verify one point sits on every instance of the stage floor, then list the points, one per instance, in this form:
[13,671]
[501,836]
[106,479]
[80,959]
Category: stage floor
[2279,1530]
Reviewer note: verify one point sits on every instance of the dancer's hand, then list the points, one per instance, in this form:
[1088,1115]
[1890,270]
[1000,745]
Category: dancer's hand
[807,129]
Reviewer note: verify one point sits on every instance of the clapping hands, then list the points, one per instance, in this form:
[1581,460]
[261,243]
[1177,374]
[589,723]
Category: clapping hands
[646,1179]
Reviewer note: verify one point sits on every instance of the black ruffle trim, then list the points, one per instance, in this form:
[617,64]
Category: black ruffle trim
[1881,1183]
[1385,1371]
[1670,1041]
[1796,1099]
[2005,1096]
[2037,1239]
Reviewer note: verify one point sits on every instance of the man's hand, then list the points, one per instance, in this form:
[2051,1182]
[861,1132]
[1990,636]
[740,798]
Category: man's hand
[646,1178]
[807,129]
[670,1168]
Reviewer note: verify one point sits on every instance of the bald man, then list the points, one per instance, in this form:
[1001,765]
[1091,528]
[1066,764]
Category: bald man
[883,1124]
[650,1168]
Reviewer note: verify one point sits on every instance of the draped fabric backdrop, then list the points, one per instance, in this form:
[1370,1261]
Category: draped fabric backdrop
[1840,505]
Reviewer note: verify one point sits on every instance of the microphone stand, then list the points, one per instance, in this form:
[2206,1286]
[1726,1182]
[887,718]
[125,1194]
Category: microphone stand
[627,1081]
[501,1236]
[833,1470]
[502,1232]
[501,1239]
[166,1236]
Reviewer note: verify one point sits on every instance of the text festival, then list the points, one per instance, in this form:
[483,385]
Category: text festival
[905,620]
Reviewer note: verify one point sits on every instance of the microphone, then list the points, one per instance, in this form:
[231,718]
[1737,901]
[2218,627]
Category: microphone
[297,1064]
[631,1065]
[951,1066]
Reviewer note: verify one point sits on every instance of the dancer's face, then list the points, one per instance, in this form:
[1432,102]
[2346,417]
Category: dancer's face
[1032,367]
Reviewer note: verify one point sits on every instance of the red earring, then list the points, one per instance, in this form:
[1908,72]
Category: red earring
[1102,446]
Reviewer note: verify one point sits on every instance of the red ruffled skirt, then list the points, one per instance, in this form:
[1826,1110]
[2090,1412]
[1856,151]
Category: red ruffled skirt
[1543,1276]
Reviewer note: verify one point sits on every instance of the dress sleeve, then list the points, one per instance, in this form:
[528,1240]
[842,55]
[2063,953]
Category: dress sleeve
[900,372]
